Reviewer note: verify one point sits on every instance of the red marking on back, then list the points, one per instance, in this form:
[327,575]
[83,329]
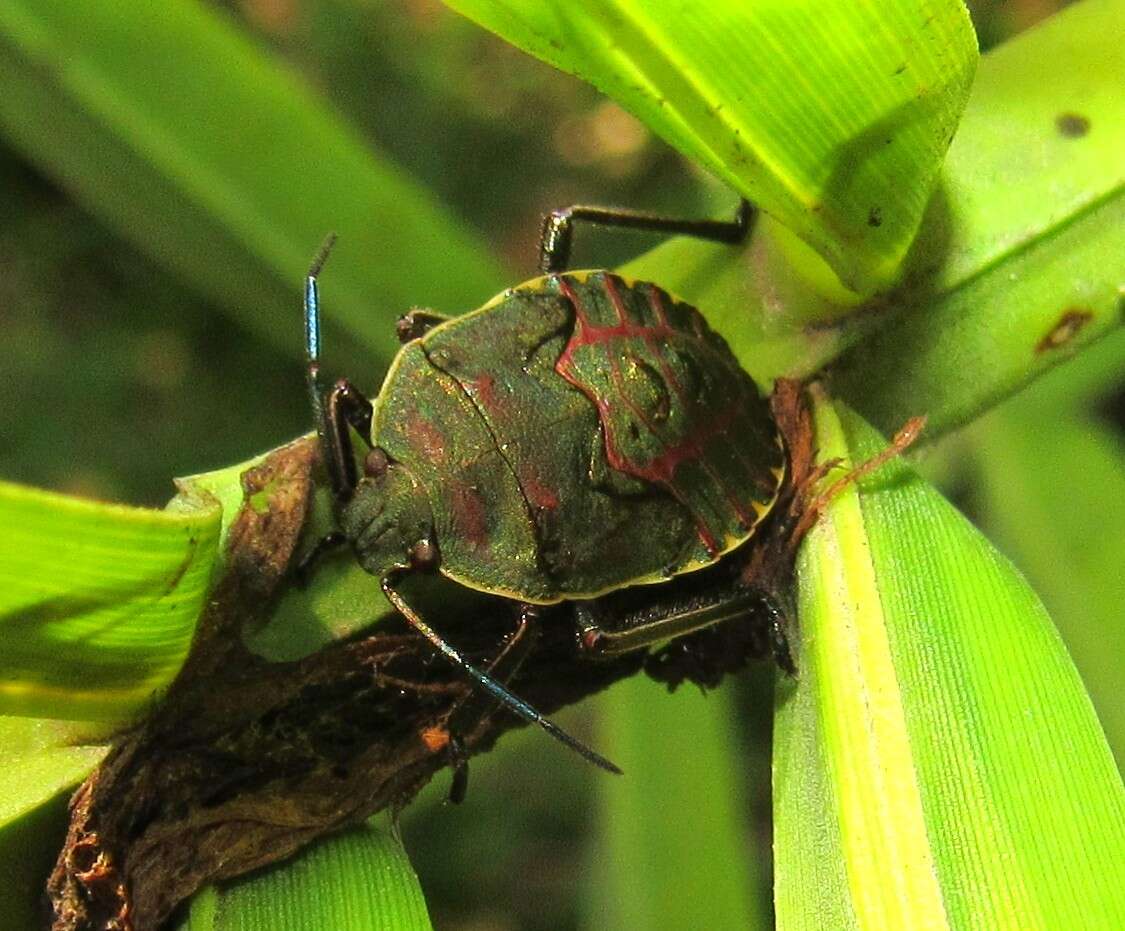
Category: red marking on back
[468,513]
[707,538]
[426,437]
[693,445]
[589,334]
[657,304]
[615,298]
[650,335]
[484,387]
[662,469]
[538,494]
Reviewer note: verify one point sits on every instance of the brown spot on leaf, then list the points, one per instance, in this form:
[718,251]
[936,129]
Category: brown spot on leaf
[1065,329]
[1072,125]
[875,216]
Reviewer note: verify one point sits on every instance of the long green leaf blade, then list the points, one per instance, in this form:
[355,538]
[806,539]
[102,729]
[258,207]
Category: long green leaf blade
[674,850]
[355,881]
[937,757]
[98,602]
[225,167]
[832,116]
[1052,490]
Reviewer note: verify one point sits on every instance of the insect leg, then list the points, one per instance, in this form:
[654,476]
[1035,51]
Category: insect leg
[811,504]
[490,685]
[479,706]
[459,761]
[557,234]
[779,634]
[663,620]
[347,407]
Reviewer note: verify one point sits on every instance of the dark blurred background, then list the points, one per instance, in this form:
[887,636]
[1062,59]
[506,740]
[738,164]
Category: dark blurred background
[118,375]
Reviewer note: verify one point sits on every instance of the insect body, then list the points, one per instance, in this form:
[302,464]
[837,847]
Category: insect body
[577,435]
[574,436]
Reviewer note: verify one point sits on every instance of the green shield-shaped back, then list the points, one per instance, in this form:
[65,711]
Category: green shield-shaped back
[424,420]
[577,435]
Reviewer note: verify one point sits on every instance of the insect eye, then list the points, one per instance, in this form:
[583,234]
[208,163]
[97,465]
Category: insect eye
[375,463]
[424,554]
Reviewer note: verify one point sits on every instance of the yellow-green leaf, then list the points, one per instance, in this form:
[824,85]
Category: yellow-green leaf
[98,602]
[354,881]
[1019,262]
[831,115]
[1052,489]
[43,760]
[937,763]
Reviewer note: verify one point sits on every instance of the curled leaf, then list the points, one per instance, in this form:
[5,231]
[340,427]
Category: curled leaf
[98,602]
[833,116]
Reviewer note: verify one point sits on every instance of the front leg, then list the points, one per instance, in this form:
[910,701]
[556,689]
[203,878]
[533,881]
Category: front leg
[474,710]
[347,408]
[486,682]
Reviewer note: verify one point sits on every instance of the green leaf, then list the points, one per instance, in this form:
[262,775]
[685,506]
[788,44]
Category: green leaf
[1083,380]
[937,763]
[833,116]
[43,761]
[1020,254]
[225,167]
[98,602]
[354,881]
[1052,492]
[1007,280]
[674,849]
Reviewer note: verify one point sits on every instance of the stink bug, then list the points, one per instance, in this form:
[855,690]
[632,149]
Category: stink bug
[578,435]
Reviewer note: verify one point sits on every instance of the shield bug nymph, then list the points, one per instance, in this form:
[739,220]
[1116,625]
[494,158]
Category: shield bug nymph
[577,435]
